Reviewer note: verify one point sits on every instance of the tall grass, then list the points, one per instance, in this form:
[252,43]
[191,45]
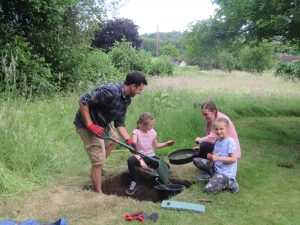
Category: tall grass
[184,122]
[38,139]
[8,83]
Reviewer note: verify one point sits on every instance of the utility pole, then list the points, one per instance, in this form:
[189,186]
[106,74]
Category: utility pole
[157,42]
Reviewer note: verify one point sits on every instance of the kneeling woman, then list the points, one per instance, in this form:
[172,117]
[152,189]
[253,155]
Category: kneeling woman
[206,144]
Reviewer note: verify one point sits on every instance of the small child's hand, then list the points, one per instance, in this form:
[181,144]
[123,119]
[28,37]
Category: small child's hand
[212,157]
[170,142]
[143,164]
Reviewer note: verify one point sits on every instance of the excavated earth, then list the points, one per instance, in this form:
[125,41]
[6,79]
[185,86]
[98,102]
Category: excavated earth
[117,185]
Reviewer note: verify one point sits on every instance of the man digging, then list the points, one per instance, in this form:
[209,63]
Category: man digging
[105,104]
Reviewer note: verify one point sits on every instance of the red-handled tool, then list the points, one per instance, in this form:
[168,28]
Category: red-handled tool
[140,216]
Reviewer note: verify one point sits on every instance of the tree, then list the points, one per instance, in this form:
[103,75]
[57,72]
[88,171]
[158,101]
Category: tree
[126,58]
[46,38]
[227,61]
[202,45]
[259,20]
[51,27]
[40,22]
[149,45]
[257,58]
[169,50]
[173,38]
[117,30]
[36,33]
[210,47]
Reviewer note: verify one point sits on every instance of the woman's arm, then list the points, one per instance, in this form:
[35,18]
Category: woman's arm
[231,159]
[210,138]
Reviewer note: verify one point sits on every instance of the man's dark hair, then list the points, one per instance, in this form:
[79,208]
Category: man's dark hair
[135,77]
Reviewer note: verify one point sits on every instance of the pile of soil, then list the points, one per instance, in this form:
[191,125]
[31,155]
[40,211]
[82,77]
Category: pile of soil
[118,184]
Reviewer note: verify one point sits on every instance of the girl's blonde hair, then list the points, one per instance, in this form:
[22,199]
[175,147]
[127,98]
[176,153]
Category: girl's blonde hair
[144,117]
[220,120]
[210,106]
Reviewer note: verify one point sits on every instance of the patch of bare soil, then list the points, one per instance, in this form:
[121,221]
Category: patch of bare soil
[118,184]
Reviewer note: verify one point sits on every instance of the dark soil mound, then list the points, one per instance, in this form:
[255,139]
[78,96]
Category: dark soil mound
[118,184]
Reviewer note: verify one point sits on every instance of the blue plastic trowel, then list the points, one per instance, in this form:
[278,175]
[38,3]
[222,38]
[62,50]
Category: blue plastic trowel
[191,207]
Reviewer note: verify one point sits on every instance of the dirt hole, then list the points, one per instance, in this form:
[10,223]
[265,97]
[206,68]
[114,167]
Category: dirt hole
[117,185]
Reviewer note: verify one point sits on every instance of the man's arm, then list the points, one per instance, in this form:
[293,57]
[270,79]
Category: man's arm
[85,112]
[123,132]
[97,97]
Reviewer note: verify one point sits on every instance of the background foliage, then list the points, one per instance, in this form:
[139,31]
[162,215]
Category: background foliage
[161,66]
[44,45]
[170,39]
[49,46]
[235,37]
[126,58]
[288,70]
[46,49]
[115,31]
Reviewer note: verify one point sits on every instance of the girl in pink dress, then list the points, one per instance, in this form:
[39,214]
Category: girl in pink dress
[145,138]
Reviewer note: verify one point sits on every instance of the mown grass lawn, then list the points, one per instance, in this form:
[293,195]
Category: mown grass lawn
[43,167]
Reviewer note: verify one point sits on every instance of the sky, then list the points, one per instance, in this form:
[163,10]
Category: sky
[169,15]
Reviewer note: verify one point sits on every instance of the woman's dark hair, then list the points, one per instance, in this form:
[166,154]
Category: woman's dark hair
[135,77]
[210,106]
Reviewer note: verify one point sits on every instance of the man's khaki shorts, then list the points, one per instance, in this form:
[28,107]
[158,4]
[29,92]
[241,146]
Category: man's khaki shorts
[94,146]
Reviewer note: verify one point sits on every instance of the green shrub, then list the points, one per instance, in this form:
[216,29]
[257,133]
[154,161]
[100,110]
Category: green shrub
[206,62]
[227,61]
[257,59]
[169,50]
[145,59]
[161,66]
[126,58]
[85,67]
[23,72]
[290,71]
[96,67]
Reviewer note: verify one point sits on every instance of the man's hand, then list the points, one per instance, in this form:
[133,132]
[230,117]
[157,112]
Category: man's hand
[96,129]
[131,143]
